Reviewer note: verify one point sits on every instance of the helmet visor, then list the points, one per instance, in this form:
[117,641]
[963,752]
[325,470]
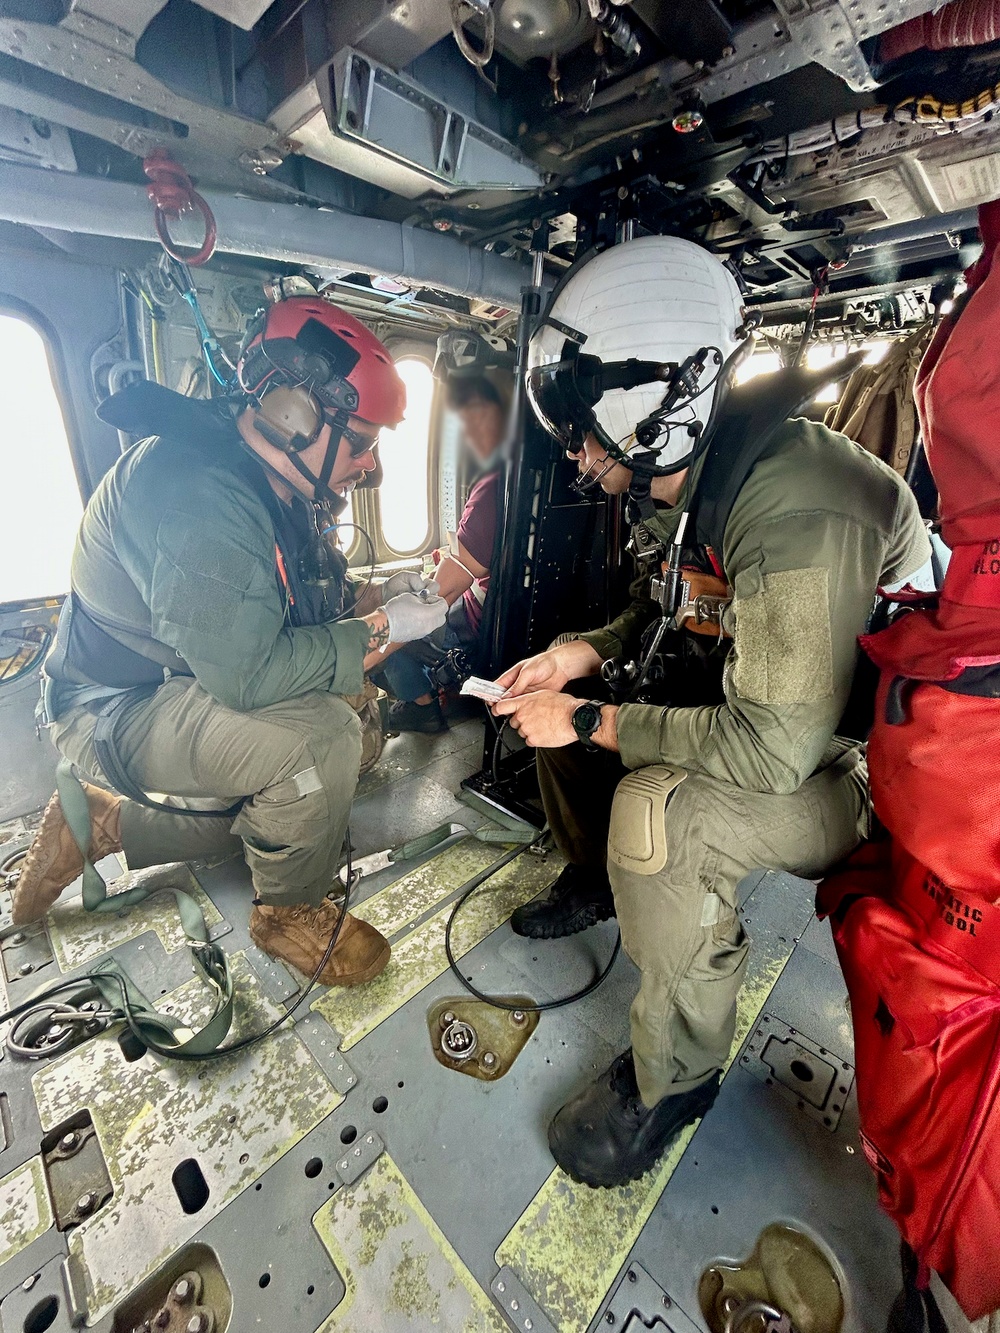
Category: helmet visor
[551,383]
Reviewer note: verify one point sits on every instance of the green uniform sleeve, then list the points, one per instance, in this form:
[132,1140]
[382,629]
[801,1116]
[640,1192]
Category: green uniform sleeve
[804,584]
[623,636]
[204,565]
[910,547]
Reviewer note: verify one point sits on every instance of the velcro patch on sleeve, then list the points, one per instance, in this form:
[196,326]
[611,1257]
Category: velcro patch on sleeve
[784,647]
[201,580]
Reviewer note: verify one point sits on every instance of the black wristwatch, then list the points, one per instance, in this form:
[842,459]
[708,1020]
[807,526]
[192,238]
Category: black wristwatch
[587,720]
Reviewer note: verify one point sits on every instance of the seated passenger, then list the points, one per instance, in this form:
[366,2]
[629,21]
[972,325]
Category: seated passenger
[661,811]
[205,602]
[464,572]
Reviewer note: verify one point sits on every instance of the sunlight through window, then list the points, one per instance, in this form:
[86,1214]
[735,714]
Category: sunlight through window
[817,356]
[404,451]
[43,498]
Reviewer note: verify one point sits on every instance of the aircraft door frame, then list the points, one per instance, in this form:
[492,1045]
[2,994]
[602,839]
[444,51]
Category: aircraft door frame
[53,293]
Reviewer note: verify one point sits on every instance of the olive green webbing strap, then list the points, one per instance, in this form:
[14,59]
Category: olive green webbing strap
[514,830]
[160,1032]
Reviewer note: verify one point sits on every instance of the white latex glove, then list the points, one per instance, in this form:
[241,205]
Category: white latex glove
[407,580]
[414,615]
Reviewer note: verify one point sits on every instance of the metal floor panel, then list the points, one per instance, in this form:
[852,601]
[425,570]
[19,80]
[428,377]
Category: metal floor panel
[371,1188]
[757,1159]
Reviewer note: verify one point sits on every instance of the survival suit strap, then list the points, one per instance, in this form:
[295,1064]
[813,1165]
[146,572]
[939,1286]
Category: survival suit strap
[108,753]
[160,1032]
[747,423]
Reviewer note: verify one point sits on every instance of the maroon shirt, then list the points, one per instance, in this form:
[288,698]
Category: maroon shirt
[476,532]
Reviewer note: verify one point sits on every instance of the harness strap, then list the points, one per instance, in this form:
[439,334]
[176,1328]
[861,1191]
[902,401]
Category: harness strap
[749,420]
[160,1032]
[113,767]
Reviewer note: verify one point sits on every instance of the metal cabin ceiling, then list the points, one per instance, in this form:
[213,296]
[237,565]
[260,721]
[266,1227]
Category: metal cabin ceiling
[705,119]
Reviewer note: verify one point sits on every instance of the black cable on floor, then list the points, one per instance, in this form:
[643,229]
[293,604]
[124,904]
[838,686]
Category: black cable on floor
[476,883]
[41,1001]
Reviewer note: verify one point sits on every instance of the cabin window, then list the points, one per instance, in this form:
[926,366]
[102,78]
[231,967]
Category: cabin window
[817,357]
[43,498]
[405,451]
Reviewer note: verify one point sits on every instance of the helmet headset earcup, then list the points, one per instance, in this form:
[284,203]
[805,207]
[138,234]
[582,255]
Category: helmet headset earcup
[289,417]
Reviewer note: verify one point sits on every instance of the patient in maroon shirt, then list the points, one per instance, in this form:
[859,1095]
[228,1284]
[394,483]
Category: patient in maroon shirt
[464,573]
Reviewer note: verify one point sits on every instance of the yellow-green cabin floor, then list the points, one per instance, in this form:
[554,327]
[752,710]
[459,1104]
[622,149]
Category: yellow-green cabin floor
[354,1183]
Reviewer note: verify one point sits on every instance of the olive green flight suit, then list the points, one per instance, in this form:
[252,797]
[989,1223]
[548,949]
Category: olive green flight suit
[698,797]
[296,761]
[176,555]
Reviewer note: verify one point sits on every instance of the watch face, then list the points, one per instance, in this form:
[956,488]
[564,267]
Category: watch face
[586,719]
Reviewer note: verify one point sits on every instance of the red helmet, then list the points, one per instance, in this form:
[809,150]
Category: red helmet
[306,340]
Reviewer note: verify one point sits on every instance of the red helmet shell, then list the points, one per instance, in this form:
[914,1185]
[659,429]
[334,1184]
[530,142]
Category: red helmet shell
[353,353]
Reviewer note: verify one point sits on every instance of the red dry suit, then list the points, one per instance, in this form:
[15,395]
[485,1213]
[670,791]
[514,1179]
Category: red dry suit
[916,917]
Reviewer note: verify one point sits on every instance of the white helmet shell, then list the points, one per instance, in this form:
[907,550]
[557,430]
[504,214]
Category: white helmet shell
[656,298]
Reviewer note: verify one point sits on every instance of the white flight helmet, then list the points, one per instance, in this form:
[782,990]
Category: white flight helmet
[606,354]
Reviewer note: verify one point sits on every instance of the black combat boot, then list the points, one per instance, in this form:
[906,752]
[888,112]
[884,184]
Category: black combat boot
[606,1136]
[407,716]
[579,898]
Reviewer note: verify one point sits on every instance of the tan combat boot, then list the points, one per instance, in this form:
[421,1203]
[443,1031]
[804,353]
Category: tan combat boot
[300,934]
[54,860]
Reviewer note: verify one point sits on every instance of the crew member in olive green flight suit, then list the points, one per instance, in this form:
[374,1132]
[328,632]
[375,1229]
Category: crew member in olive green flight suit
[673,806]
[207,604]
[819,525]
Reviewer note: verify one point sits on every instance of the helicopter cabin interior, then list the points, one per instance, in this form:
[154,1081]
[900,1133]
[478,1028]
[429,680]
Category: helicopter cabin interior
[435,167]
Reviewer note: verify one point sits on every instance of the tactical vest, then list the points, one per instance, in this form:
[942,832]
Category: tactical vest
[737,438]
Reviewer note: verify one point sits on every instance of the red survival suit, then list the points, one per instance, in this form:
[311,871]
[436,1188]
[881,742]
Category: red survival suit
[915,916]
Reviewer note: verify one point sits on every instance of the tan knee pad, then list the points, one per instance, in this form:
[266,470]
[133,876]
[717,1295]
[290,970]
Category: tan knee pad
[637,839]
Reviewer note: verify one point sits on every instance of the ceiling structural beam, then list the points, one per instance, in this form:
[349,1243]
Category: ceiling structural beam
[940,224]
[282,233]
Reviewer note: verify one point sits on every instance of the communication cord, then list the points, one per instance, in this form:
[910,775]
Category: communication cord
[31,1010]
[475,883]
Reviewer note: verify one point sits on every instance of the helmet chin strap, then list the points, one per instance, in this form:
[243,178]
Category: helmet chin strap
[334,502]
[321,484]
[585,482]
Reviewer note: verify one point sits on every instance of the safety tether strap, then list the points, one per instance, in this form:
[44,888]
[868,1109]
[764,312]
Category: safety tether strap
[113,767]
[160,1032]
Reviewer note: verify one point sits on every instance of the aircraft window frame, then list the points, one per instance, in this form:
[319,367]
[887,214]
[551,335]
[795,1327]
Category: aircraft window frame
[12,308]
[412,350]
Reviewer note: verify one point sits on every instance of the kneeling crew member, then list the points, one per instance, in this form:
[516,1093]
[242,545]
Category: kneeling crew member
[207,603]
[661,811]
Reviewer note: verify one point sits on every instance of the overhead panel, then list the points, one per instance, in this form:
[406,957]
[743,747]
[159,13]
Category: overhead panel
[831,32]
[389,130]
[117,24]
[825,32]
[393,32]
[92,83]
[893,173]
[244,13]
[34,141]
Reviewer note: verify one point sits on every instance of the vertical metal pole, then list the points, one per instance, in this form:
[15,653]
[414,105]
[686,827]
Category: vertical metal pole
[507,603]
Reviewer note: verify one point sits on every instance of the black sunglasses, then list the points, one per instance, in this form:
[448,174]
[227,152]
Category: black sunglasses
[357,443]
